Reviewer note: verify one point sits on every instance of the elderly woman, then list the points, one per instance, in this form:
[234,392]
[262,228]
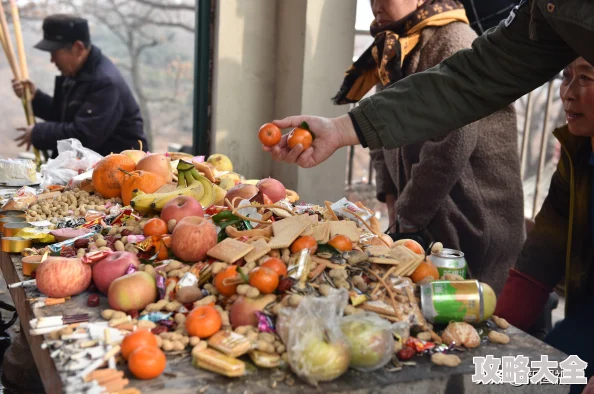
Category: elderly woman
[463,189]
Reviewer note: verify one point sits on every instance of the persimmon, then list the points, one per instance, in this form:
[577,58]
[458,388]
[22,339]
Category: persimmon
[107,177]
[269,134]
[226,281]
[425,269]
[203,321]
[277,265]
[147,362]
[155,226]
[304,242]
[264,279]
[342,243]
[300,136]
[135,340]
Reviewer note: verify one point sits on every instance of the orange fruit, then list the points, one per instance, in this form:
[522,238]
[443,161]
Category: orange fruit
[145,181]
[161,249]
[277,265]
[269,134]
[414,246]
[135,340]
[155,226]
[203,321]
[300,136]
[342,243]
[264,279]
[107,177]
[425,269]
[221,284]
[147,362]
[304,242]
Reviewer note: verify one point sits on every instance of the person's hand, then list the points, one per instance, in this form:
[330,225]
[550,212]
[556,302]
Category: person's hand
[329,136]
[25,138]
[19,87]
[590,387]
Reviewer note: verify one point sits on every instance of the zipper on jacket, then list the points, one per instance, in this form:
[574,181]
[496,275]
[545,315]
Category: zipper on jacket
[65,106]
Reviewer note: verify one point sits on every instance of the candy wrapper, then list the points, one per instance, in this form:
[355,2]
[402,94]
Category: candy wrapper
[131,269]
[265,323]
[39,235]
[156,316]
[317,349]
[348,210]
[71,223]
[301,268]
[161,286]
[371,340]
[121,215]
[189,279]
[97,255]
[56,248]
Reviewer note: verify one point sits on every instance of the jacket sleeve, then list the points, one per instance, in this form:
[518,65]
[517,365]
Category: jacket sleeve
[441,164]
[383,181]
[42,106]
[503,64]
[93,124]
[544,252]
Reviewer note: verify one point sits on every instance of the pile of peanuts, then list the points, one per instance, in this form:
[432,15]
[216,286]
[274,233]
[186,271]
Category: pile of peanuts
[73,203]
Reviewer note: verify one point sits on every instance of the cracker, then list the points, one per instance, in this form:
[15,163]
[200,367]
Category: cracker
[378,250]
[404,255]
[230,250]
[345,227]
[384,260]
[321,232]
[261,249]
[286,231]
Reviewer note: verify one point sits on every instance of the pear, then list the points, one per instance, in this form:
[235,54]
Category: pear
[220,162]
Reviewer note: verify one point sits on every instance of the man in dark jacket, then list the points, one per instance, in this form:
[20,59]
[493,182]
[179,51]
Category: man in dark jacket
[91,101]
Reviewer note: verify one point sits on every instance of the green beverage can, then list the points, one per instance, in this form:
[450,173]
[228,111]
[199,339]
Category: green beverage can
[443,301]
[449,261]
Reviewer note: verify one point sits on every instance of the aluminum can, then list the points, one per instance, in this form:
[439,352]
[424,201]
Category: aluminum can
[443,301]
[449,261]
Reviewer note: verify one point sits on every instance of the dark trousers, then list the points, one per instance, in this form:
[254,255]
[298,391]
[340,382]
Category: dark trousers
[573,335]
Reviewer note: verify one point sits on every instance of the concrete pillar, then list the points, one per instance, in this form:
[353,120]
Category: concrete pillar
[274,59]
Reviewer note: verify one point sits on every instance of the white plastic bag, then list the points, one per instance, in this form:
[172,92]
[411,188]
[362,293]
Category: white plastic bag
[371,340]
[317,349]
[72,160]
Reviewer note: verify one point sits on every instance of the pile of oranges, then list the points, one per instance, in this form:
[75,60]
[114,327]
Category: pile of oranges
[145,359]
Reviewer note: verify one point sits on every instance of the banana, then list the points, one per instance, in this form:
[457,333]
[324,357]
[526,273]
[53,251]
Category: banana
[184,166]
[209,194]
[142,202]
[182,181]
[195,190]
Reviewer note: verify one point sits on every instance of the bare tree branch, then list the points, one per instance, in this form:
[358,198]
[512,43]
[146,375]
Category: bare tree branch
[180,25]
[163,6]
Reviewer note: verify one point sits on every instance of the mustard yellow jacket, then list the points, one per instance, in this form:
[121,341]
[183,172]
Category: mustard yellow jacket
[561,241]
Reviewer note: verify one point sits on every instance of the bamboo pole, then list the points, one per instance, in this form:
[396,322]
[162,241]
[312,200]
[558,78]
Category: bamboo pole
[24,70]
[8,48]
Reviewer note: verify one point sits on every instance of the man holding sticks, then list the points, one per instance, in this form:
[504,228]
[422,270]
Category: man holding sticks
[91,101]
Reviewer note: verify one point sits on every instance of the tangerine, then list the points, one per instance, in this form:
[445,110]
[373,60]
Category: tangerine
[425,269]
[147,362]
[299,136]
[155,226]
[414,246]
[203,321]
[269,134]
[277,265]
[264,279]
[342,243]
[137,339]
[224,288]
[304,242]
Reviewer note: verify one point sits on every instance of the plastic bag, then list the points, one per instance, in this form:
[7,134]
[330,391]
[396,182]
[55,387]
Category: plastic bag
[371,340]
[317,349]
[72,160]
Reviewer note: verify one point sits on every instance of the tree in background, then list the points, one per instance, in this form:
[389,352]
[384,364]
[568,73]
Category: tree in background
[152,43]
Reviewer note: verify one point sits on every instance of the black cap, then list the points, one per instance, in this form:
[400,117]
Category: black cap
[61,31]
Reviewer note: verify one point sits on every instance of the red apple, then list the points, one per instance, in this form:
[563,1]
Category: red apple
[59,277]
[243,311]
[181,207]
[112,267]
[132,292]
[272,188]
[243,190]
[192,237]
